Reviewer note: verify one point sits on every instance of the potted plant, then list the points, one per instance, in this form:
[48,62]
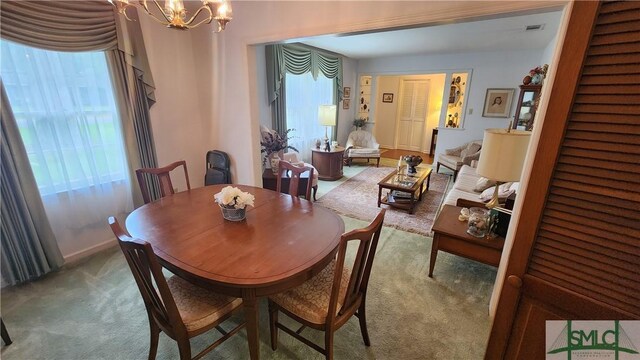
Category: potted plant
[359,123]
[273,144]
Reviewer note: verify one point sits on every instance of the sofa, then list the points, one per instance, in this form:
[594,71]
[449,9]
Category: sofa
[466,184]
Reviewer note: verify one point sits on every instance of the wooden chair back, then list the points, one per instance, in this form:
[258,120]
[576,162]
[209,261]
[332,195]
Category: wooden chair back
[147,272]
[164,179]
[359,280]
[286,170]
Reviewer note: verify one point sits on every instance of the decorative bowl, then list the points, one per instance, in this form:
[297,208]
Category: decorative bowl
[412,161]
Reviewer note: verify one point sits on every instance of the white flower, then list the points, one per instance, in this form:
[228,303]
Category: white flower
[233,197]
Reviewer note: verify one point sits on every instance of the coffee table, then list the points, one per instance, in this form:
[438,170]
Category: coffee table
[450,235]
[410,184]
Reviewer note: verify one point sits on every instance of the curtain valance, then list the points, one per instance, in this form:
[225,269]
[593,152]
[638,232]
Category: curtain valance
[60,25]
[76,26]
[296,59]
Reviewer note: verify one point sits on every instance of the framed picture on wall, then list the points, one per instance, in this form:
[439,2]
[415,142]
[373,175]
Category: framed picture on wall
[387,97]
[497,103]
[346,103]
[347,92]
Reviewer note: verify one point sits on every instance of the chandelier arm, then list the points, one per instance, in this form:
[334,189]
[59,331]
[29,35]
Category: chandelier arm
[164,15]
[206,20]
[124,12]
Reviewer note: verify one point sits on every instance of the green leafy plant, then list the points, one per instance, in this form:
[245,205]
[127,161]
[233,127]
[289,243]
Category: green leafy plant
[273,142]
[359,123]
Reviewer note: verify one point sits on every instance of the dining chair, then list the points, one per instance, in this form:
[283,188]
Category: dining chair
[181,309]
[329,299]
[5,334]
[164,179]
[293,173]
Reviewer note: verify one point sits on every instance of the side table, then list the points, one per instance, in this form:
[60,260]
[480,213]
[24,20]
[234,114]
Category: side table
[450,235]
[269,181]
[328,163]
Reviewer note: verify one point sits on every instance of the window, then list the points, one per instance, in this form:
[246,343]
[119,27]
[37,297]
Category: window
[65,109]
[303,97]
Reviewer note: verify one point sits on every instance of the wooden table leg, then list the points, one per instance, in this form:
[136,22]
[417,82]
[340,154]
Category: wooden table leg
[379,194]
[434,254]
[250,303]
[428,181]
[421,190]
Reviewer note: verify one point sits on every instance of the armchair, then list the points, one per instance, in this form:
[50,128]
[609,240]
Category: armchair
[453,159]
[362,145]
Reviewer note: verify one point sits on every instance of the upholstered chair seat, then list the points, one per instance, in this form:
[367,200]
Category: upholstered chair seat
[310,300]
[362,145]
[199,307]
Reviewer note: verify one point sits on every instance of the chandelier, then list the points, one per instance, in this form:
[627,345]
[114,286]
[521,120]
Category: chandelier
[174,15]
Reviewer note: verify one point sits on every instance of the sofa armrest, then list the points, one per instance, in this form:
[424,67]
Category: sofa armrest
[349,143]
[455,151]
[469,203]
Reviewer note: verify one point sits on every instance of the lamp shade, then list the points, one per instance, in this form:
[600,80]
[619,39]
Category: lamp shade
[327,115]
[503,153]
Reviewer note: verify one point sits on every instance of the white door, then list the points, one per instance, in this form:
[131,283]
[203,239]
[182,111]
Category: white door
[412,115]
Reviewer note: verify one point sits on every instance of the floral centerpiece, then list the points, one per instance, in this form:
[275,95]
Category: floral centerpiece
[233,202]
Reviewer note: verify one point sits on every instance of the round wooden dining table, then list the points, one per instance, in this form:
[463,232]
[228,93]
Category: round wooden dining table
[283,242]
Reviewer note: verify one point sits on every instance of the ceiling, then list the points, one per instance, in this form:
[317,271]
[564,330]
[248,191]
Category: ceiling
[485,35]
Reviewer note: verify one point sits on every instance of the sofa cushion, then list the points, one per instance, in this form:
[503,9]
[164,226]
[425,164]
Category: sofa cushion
[450,161]
[364,152]
[483,183]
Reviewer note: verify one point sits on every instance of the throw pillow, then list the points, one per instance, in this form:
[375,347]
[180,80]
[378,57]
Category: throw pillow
[471,149]
[483,183]
[503,192]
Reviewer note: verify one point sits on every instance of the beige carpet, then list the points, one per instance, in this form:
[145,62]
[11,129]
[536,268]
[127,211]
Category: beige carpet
[94,311]
[357,198]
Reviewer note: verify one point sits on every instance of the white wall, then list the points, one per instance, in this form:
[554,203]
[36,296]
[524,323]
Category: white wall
[180,119]
[488,70]
[384,114]
[346,116]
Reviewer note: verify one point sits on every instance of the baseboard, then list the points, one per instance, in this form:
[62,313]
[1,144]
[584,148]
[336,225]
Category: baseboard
[79,255]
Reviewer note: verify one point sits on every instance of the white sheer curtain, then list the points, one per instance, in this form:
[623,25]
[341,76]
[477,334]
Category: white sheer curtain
[304,95]
[65,109]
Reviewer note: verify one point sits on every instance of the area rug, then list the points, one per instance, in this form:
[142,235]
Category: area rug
[357,198]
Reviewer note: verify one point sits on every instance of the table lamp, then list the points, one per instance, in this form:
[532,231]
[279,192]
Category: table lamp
[327,117]
[502,157]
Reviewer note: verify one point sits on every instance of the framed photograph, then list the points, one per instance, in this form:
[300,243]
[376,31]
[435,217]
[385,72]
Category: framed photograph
[387,97]
[497,103]
[347,92]
[346,103]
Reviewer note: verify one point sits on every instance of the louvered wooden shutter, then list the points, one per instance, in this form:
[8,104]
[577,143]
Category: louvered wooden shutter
[589,235]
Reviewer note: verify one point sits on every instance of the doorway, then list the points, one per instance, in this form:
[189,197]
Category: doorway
[412,114]
[405,120]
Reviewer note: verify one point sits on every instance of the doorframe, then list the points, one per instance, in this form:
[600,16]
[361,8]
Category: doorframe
[565,71]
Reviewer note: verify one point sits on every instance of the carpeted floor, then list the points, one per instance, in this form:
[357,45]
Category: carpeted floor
[94,311]
[357,198]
